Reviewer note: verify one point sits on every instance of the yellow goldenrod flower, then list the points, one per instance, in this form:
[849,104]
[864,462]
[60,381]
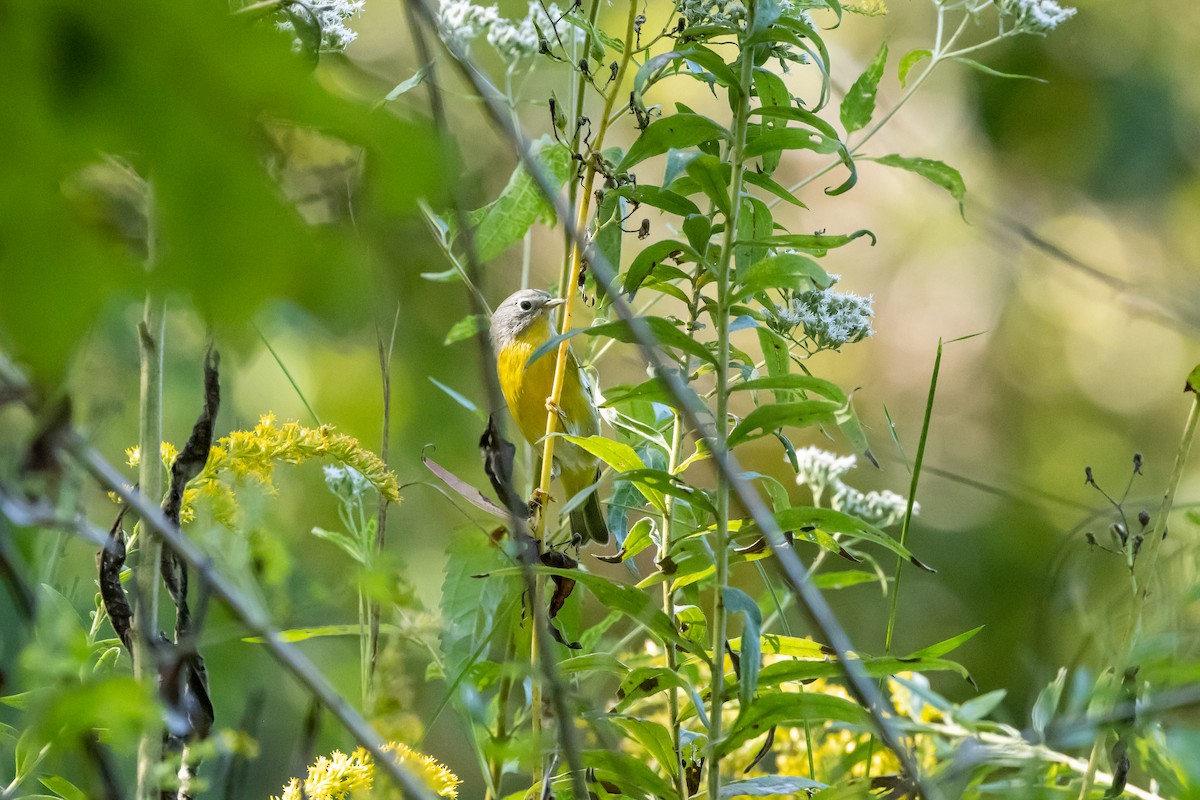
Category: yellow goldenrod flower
[253,454]
[338,776]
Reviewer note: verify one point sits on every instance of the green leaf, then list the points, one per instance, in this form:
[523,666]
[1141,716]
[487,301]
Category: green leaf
[599,35]
[459,398]
[942,174]
[655,68]
[817,243]
[945,646]
[773,141]
[661,482]
[799,414]
[416,80]
[620,457]
[639,539]
[504,221]
[709,175]
[348,544]
[995,73]
[843,579]
[763,181]
[675,131]
[750,652]
[651,257]
[639,606]
[1193,381]
[793,646]
[910,60]
[318,632]
[63,788]
[666,334]
[775,354]
[771,710]
[834,522]
[617,455]
[803,383]
[807,669]
[466,328]
[698,229]
[660,198]
[654,737]
[784,271]
[475,611]
[859,103]
[977,708]
[1046,705]
[632,776]
[199,100]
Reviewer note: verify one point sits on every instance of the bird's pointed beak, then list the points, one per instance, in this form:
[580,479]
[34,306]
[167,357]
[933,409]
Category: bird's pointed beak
[557,301]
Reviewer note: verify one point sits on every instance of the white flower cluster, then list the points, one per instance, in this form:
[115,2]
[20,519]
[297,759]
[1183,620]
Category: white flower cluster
[830,318]
[331,17]
[461,21]
[822,471]
[713,12]
[878,508]
[789,9]
[1035,16]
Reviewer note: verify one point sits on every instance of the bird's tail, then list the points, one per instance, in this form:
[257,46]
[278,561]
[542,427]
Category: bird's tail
[588,519]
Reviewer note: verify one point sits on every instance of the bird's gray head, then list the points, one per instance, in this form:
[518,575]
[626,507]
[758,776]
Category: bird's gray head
[522,309]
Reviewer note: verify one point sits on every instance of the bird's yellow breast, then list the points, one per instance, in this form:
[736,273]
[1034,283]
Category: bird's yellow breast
[527,386]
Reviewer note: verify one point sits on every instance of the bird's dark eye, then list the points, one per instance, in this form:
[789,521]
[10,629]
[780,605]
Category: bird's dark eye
[526,305]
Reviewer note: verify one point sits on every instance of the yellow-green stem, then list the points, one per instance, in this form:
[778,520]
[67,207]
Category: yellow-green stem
[721,540]
[150,483]
[571,267]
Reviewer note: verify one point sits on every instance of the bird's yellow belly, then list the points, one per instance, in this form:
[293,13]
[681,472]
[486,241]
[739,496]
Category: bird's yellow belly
[526,388]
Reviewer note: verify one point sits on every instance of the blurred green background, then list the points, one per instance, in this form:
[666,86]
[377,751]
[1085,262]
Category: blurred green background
[1085,339]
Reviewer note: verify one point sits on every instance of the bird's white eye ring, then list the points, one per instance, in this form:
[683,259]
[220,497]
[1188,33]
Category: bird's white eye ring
[526,305]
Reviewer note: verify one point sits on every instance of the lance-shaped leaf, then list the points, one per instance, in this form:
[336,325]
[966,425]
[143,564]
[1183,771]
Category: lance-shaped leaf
[791,709]
[935,171]
[660,198]
[798,518]
[676,131]
[799,414]
[816,243]
[859,103]
[784,271]
[667,335]
[657,66]
[651,258]
[709,174]
[505,220]
[639,539]
[750,650]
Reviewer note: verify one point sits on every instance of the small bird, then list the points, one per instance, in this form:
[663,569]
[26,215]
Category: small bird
[520,325]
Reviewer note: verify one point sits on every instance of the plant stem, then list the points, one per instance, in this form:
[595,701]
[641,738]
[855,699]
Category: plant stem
[721,540]
[385,375]
[678,778]
[151,331]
